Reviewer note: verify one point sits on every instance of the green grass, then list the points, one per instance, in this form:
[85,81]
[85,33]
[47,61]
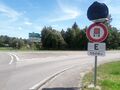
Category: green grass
[5,48]
[108,77]
[13,49]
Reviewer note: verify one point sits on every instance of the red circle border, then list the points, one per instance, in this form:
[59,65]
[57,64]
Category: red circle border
[104,35]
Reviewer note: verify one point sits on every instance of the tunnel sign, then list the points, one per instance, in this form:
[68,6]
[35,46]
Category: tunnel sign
[96,49]
[97,32]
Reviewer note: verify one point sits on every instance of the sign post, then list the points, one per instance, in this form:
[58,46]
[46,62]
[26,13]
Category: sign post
[95,71]
[96,33]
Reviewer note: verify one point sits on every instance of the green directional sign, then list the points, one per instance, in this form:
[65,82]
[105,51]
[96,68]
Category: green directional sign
[34,37]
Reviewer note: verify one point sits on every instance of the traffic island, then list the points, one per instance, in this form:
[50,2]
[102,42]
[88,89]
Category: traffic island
[108,77]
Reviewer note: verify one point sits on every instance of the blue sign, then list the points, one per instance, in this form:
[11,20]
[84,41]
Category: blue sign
[37,35]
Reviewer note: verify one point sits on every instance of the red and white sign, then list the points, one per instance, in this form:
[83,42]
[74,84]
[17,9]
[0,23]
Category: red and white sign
[97,32]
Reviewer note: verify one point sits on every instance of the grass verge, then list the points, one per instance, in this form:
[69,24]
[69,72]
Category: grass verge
[5,48]
[108,77]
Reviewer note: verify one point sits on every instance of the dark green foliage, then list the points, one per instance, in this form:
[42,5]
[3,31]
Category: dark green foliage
[73,38]
[52,39]
[17,43]
[113,40]
[13,42]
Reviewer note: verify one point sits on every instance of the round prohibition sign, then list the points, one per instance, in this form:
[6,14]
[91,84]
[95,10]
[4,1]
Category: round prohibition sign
[97,32]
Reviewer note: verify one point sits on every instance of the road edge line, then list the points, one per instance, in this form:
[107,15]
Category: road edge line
[41,83]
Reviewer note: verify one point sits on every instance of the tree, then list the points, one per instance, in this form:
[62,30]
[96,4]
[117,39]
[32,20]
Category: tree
[70,38]
[84,39]
[63,33]
[75,26]
[16,43]
[52,39]
[20,43]
[76,38]
[113,40]
[44,35]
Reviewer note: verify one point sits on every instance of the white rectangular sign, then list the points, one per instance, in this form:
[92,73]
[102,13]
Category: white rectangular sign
[96,49]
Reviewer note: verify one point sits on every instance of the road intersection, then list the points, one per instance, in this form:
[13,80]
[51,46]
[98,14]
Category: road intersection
[47,69]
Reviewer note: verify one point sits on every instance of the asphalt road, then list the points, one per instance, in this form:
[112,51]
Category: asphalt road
[29,70]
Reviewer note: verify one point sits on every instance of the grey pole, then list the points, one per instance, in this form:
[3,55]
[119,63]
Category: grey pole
[95,71]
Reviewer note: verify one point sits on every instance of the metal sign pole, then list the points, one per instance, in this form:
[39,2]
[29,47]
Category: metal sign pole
[95,71]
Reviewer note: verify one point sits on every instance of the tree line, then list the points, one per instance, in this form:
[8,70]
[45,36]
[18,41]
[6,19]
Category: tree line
[18,43]
[73,38]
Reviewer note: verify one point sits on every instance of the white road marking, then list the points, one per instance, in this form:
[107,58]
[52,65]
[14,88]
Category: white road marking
[12,57]
[11,61]
[41,83]
[17,58]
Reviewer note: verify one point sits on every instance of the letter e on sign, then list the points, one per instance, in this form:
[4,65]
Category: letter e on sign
[96,46]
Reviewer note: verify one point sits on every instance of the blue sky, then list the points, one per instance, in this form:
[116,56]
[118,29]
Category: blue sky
[19,17]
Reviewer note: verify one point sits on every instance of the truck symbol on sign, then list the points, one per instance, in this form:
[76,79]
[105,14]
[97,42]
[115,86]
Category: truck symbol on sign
[96,32]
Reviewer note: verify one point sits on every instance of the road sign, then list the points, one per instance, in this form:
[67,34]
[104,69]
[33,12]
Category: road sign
[97,32]
[34,37]
[96,49]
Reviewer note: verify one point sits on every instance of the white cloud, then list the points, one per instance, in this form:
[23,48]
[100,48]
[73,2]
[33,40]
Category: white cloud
[28,23]
[66,12]
[9,12]
[55,25]
[105,1]
[19,28]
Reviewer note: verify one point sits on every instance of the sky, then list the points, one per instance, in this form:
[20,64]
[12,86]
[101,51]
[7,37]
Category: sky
[20,17]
